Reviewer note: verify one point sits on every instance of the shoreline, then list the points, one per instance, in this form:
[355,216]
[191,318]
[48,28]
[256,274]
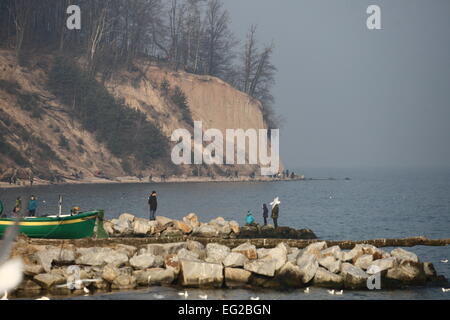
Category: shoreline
[135,180]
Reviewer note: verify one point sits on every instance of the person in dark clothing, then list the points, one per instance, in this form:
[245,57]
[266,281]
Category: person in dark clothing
[32,206]
[17,206]
[275,211]
[265,213]
[153,203]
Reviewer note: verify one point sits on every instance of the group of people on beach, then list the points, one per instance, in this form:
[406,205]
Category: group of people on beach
[250,219]
[17,209]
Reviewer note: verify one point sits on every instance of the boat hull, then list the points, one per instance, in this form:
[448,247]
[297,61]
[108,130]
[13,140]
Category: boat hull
[73,227]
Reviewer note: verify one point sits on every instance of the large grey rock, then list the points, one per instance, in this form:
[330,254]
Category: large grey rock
[330,263]
[262,252]
[308,265]
[122,227]
[316,248]
[33,269]
[381,265]
[334,251]
[124,281]
[201,274]
[403,255]
[364,261]
[110,273]
[279,254]
[325,278]
[141,227]
[164,249]
[163,221]
[364,249]
[407,272]
[194,245]
[108,226]
[126,249]
[234,260]
[205,231]
[292,257]
[430,271]
[235,277]
[46,257]
[192,220]
[154,276]
[247,249]
[354,277]
[172,232]
[290,275]
[216,253]
[143,261]
[182,226]
[48,280]
[234,226]
[187,254]
[97,256]
[265,267]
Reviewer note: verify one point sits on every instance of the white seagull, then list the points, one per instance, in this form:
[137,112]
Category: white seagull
[306,290]
[203,296]
[444,260]
[339,293]
[331,291]
[445,290]
[254,298]
[183,294]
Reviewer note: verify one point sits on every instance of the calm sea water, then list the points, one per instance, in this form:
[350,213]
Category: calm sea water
[375,203]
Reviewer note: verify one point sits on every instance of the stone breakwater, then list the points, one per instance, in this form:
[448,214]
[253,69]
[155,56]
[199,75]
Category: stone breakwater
[127,225]
[48,268]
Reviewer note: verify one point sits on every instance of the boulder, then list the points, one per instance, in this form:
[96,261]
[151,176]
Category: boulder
[154,276]
[407,272]
[235,277]
[164,249]
[290,275]
[308,265]
[110,273]
[403,255]
[141,227]
[235,259]
[187,254]
[381,265]
[29,286]
[163,221]
[205,231]
[279,254]
[330,263]
[124,281]
[97,256]
[127,217]
[265,267]
[315,248]
[108,226]
[354,277]
[172,232]
[48,280]
[262,252]
[46,257]
[430,271]
[122,227]
[172,262]
[192,220]
[247,249]
[33,269]
[201,274]
[327,279]
[364,249]
[143,261]
[234,226]
[183,227]
[334,251]
[292,257]
[126,249]
[194,245]
[216,253]
[364,261]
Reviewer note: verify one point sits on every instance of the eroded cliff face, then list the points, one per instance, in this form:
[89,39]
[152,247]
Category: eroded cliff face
[37,131]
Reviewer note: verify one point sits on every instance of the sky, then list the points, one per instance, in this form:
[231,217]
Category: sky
[349,96]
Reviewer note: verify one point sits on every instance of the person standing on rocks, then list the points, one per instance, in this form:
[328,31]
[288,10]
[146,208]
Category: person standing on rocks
[265,213]
[32,206]
[275,210]
[18,206]
[153,203]
[250,219]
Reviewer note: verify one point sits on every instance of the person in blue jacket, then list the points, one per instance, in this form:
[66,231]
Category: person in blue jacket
[249,219]
[32,206]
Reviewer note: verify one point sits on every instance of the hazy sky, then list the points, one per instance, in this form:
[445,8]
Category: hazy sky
[354,97]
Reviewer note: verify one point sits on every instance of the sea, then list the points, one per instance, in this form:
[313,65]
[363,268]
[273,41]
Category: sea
[337,204]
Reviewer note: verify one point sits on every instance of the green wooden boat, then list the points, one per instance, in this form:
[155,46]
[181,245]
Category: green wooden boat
[55,227]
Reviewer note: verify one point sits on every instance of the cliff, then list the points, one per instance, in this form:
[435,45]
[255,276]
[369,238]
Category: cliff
[39,134]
